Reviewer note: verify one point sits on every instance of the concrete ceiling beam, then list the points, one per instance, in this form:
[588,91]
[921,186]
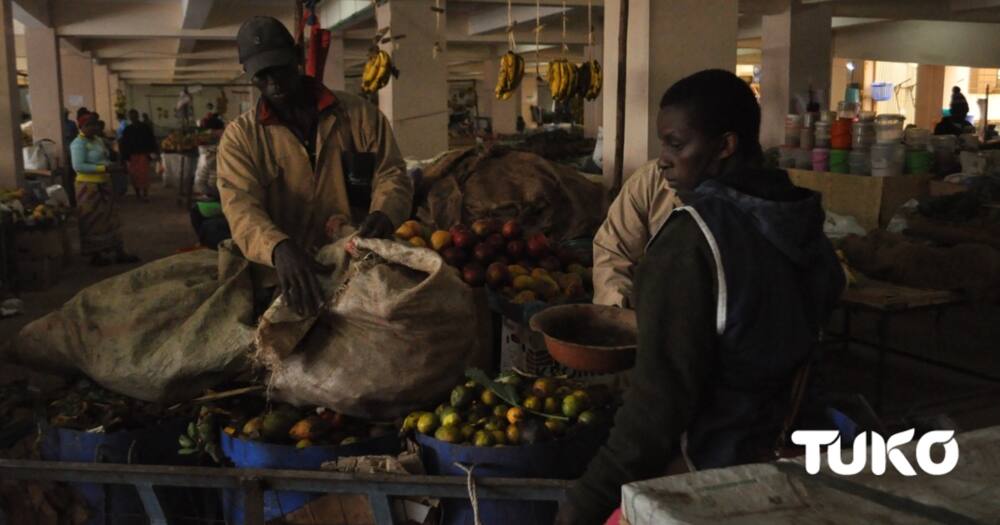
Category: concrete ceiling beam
[494,18]
[32,13]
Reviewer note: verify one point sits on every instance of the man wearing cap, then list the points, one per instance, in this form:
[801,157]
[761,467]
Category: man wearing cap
[295,162]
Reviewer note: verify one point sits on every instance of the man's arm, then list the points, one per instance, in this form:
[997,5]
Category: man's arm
[619,243]
[242,199]
[677,340]
[392,188]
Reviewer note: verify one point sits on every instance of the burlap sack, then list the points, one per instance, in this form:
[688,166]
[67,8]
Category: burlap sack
[398,331]
[163,332]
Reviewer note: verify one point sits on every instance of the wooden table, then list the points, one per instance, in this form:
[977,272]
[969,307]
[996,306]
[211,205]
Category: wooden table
[887,300]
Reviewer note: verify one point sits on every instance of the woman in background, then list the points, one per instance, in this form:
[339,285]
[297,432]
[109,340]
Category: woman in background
[100,225]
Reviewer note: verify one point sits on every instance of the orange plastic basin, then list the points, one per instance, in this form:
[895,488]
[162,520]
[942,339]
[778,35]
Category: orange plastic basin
[589,337]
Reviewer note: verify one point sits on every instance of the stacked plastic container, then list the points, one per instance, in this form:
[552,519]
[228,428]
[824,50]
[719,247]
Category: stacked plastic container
[919,159]
[797,150]
[888,154]
[862,140]
[821,142]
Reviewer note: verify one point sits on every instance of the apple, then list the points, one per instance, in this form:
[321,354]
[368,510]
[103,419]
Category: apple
[454,256]
[511,230]
[473,274]
[464,239]
[538,245]
[458,228]
[516,249]
[496,241]
[484,253]
[497,275]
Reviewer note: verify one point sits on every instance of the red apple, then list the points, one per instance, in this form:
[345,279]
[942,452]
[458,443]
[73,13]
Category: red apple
[550,263]
[497,242]
[511,230]
[497,275]
[538,245]
[473,274]
[464,239]
[458,228]
[515,249]
[484,253]
[454,256]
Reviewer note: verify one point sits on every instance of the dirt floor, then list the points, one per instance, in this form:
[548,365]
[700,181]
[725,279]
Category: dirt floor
[967,335]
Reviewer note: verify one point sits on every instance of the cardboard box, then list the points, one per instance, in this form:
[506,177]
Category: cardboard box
[870,200]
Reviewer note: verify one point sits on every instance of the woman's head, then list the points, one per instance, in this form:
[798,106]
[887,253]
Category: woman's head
[709,124]
[89,124]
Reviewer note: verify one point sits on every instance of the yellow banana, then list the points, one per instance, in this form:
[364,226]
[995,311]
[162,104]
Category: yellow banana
[553,76]
[596,80]
[510,74]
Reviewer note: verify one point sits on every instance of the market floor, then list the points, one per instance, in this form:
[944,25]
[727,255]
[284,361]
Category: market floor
[151,230]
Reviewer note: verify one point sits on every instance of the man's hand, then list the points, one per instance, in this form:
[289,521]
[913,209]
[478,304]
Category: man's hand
[376,225]
[297,277]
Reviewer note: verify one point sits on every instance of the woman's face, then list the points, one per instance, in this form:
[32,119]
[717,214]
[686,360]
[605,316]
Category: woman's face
[687,156]
[91,128]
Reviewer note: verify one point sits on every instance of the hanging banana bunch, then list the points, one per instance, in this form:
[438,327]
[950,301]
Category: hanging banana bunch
[590,79]
[562,79]
[511,64]
[511,73]
[378,69]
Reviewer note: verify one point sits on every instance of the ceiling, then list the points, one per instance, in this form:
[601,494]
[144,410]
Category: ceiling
[193,41]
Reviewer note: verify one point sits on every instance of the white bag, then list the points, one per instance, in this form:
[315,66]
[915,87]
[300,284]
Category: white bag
[40,156]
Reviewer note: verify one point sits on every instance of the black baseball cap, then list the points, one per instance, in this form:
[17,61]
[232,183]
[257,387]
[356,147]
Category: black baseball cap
[264,42]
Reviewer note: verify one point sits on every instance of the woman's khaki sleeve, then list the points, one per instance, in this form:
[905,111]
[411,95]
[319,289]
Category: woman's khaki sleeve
[619,243]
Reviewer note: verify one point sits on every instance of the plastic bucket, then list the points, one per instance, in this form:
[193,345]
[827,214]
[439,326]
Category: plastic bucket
[919,162]
[916,138]
[889,128]
[862,135]
[822,135]
[562,459]
[888,159]
[793,128]
[840,134]
[859,162]
[803,159]
[119,504]
[253,454]
[821,159]
[839,162]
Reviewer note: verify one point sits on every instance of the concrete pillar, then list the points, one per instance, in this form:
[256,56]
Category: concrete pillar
[503,113]
[529,97]
[114,83]
[796,54]
[333,71]
[666,42]
[45,86]
[102,96]
[593,110]
[11,161]
[77,79]
[416,103]
[930,85]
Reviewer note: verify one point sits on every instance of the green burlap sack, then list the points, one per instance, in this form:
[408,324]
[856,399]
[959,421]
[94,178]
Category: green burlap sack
[163,332]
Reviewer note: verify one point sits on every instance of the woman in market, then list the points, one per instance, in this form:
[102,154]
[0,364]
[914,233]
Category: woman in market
[731,296]
[955,123]
[100,226]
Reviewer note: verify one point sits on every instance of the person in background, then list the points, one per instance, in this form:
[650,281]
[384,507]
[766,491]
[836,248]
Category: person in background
[303,157]
[148,121]
[100,225]
[137,145]
[956,123]
[81,112]
[731,297]
[70,129]
[211,120]
[122,124]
